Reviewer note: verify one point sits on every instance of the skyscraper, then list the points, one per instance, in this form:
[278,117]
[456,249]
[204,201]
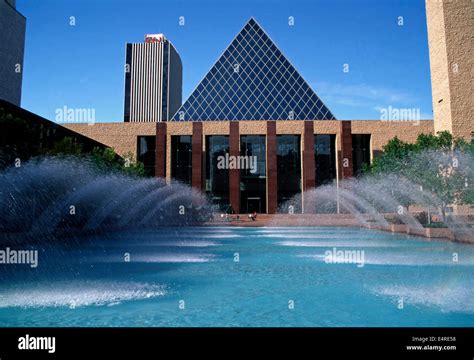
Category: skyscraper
[153,80]
[12,44]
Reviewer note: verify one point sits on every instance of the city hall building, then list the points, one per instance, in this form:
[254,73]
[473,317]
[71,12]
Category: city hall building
[253,134]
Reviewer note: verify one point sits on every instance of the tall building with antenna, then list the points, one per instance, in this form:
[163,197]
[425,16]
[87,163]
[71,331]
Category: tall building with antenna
[153,80]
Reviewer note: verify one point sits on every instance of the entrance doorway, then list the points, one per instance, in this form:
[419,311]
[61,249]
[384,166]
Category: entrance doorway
[254,204]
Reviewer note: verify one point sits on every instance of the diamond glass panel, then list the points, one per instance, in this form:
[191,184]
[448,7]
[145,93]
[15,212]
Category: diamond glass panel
[256,82]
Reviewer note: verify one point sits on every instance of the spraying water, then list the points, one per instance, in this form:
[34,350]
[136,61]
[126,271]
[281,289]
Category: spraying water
[54,196]
[430,182]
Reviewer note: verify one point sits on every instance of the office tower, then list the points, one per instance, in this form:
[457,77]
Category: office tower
[12,44]
[153,80]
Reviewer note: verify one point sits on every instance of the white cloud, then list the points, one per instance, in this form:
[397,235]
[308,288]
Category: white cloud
[367,98]
[361,93]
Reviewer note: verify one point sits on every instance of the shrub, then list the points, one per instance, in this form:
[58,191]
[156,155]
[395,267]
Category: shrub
[422,218]
[436,225]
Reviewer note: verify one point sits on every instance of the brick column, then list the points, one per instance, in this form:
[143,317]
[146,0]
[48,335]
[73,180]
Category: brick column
[160,150]
[196,180]
[272,172]
[234,174]
[309,176]
[345,163]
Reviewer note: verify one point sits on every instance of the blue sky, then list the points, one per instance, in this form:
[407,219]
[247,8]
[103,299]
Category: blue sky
[82,66]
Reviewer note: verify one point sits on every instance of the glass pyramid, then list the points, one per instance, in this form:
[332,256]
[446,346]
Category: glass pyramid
[252,80]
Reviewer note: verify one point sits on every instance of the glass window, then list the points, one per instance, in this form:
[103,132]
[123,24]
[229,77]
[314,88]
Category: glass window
[360,152]
[289,172]
[253,181]
[217,176]
[271,74]
[325,159]
[181,158]
[146,146]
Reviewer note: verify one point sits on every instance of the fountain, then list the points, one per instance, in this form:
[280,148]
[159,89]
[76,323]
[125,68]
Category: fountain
[51,196]
[384,201]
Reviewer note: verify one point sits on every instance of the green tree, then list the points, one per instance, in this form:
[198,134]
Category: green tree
[132,167]
[438,163]
[107,160]
[66,146]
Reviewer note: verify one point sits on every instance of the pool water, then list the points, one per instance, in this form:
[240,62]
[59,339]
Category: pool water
[229,276]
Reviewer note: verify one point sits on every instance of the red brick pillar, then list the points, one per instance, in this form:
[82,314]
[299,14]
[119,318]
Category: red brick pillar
[160,150]
[309,176]
[308,157]
[272,173]
[345,163]
[234,174]
[196,180]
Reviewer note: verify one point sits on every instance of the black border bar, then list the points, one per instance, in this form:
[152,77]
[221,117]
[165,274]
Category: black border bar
[323,343]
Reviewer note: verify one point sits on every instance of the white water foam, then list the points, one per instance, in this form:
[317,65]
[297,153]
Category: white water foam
[447,297]
[355,237]
[74,294]
[314,231]
[171,258]
[186,243]
[171,243]
[221,236]
[352,244]
[404,259]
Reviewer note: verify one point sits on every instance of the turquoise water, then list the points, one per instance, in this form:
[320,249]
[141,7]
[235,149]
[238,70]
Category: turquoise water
[190,277]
